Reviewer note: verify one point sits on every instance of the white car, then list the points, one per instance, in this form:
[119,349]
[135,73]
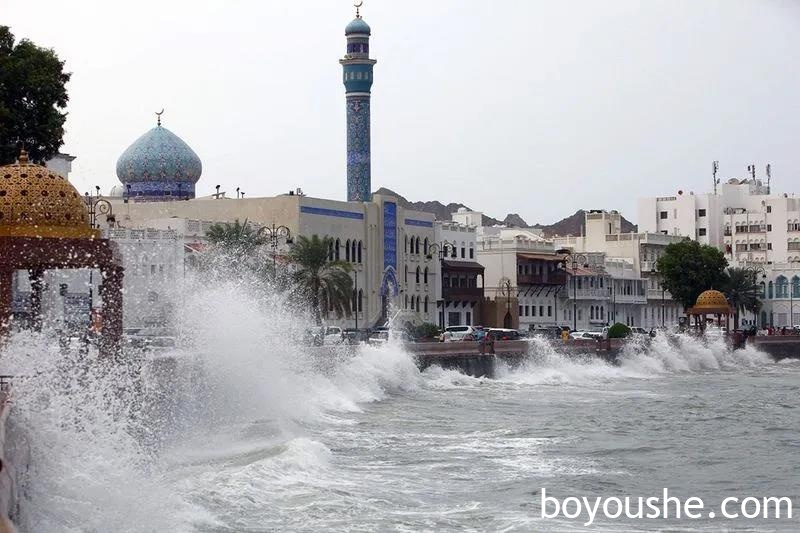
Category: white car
[586,335]
[457,333]
[332,335]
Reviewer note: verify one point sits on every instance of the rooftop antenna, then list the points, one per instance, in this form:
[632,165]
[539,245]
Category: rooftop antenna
[158,115]
[714,169]
[358,5]
[769,177]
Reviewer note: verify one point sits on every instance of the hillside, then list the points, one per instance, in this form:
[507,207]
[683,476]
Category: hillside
[571,225]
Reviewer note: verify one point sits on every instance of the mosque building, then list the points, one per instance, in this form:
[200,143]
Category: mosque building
[388,245]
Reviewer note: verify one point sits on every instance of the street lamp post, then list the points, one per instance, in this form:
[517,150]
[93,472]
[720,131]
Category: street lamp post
[655,272]
[754,272]
[442,251]
[96,205]
[275,234]
[574,259]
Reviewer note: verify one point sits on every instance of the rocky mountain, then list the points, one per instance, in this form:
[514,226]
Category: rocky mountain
[571,225]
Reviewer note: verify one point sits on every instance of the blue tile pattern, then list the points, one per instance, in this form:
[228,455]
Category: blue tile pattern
[390,235]
[419,223]
[357,25]
[156,162]
[358,149]
[330,212]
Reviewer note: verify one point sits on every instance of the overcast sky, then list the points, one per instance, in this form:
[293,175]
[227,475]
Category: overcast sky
[533,107]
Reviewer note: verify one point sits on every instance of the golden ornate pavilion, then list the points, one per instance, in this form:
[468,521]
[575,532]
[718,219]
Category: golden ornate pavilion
[44,224]
[711,302]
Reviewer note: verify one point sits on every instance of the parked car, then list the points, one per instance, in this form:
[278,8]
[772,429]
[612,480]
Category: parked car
[552,332]
[586,335]
[457,333]
[502,334]
[381,336]
[332,335]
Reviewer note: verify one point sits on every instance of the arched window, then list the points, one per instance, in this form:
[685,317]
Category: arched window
[416,246]
[330,251]
[417,302]
[591,313]
[602,313]
[425,276]
[406,302]
[412,303]
[463,250]
[418,272]
[353,301]
[360,300]
[359,251]
[336,249]
[425,246]
[425,309]
[795,287]
[781,287]
[405,239]
[471,251]
[771,289]
[405,276]
[347,250]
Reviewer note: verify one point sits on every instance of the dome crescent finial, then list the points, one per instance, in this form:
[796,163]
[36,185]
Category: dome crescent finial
[358,5]
[158,114]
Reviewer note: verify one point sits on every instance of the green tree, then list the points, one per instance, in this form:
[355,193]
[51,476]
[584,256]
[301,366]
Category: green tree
[688,268]
[33,96]
[325,285]
[741,290]
[618,331]
[239,237]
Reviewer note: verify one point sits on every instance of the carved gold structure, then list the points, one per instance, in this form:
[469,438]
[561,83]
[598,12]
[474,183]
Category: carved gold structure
[37,202]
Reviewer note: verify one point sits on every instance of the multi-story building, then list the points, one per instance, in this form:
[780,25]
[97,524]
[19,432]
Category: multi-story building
[754,227]
[630,259]
[460,294]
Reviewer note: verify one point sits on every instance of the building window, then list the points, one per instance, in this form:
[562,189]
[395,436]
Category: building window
[417,275]
[463,252]
[347,250]
[425,276]
[426,304]
[769,227]
[520,310]
[360,300]
[527,310]
[549,310]
[336,248]
[533,310]
[663,215]
[769,246]
[359,251]
[541,310]
[701,232]
[425,246]
[701,213]
[769,209]
[471,252]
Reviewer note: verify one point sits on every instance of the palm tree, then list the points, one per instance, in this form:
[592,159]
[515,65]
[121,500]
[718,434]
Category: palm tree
[238,237]
[326,285]
[741,290]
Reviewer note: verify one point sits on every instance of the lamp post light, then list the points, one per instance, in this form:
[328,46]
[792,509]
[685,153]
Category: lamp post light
[442,251]
[97,205]
[655,272]
[575,260]
[754,271]
[274,235]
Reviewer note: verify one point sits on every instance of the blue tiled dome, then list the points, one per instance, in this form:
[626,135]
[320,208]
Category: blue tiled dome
[357,25]
[159,156]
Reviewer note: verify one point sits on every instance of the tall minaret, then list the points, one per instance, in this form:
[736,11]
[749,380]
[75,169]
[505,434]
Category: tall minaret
[357,77]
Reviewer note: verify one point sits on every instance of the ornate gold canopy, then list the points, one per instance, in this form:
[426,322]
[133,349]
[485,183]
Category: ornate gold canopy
[37,202]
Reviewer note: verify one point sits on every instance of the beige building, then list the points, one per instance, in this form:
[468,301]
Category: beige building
[386,244]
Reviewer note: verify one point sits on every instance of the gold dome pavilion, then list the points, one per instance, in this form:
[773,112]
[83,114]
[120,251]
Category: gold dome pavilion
[37,202]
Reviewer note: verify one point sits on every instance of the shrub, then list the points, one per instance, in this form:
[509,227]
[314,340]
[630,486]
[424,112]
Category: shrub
[618,331]
[426,330]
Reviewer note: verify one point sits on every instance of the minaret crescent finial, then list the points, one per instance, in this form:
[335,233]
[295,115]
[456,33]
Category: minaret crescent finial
[358,8]
[158,114]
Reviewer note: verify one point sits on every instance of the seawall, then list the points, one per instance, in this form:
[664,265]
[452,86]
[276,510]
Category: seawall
[14,460]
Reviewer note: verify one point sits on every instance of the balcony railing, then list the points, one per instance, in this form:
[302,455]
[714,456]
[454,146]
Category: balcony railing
[462,293]
[587,294]
[553,278]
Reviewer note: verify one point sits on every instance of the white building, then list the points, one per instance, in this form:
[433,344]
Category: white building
[752,226]
[637,298]
[459,296]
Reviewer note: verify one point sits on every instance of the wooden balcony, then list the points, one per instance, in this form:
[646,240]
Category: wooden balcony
[462,293]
